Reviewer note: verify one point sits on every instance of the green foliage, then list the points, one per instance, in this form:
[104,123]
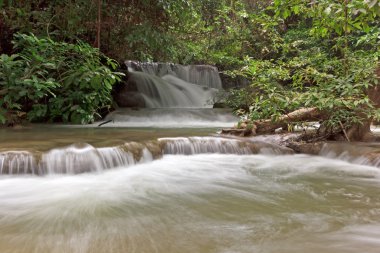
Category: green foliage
[55,81]
[327,59]
[218,32]
[321,83]
[296,53]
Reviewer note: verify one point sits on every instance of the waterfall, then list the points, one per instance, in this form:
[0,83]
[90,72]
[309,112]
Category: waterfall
[171,92]
[166,85]
[204,145]
[17,162]
[81,158]
[204,75]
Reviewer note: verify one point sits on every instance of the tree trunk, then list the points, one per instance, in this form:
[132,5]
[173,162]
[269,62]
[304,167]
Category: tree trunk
[303,114]
[362,132]
[357,132]
[98,24]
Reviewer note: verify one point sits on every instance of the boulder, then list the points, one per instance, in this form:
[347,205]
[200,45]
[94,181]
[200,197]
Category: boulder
[130,99]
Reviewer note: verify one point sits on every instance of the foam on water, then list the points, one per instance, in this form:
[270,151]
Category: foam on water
[171,92]
[203,75]
[172,118]
[199,203]
[82,157]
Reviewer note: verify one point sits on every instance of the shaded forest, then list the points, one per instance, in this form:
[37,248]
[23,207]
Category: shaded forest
[322,55]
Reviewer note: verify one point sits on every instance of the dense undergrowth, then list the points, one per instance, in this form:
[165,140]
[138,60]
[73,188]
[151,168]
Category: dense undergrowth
[294,53]
[54,81]
[327,58]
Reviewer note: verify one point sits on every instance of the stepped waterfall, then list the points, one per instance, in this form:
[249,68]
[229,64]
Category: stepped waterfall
[163,85]
[167,95]
[158,178]
[203,75]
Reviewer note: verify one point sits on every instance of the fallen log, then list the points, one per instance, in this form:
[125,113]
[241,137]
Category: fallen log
[300,115]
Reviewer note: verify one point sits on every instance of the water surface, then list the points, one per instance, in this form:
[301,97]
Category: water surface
[45,137]
[198,203]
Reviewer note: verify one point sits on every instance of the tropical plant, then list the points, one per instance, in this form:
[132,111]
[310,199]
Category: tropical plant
[326,61]
[55,81]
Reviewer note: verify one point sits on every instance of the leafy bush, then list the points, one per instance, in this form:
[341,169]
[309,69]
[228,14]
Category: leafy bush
[324,61]
[54,81]
[321,82]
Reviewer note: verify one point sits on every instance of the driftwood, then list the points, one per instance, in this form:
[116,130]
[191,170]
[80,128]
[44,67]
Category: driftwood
[106,122]
[357,132]
[303,114]
[269,126]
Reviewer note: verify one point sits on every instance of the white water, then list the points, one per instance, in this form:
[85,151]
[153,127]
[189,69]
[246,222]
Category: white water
[171,118]
[203,75]
[81,158]
[199,203]
[171,92]
[84,158]
[358,153]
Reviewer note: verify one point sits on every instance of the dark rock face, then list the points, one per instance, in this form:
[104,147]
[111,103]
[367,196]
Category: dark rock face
[229,82]
[126,93]
[220,105]
[130,99]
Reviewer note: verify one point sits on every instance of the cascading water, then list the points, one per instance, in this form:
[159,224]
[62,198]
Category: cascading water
[82,158]
[171,92]
[138,190]
[203,75]
[197,203]
[164,85]
[154,92]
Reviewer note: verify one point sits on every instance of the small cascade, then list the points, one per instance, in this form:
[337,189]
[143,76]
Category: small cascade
[204,75]
[18,162]
[357,153]
[203,145]
[82,158]
[74,159]
[200,145]
[170,92]
[166,85]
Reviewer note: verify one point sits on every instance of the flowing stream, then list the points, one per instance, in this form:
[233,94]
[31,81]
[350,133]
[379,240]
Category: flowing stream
[183,194]
[159,180]
[196,203]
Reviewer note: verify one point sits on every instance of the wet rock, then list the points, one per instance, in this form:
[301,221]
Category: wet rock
[306,148]
[130,99]
[220,105]
[126,93]
[238,132]
[230,82]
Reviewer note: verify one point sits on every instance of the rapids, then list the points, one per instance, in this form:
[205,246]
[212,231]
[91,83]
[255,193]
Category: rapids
[173,186]
[197,203]
[82,157]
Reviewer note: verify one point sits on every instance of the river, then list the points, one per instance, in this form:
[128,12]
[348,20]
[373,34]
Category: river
[160,180]
[223,198]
